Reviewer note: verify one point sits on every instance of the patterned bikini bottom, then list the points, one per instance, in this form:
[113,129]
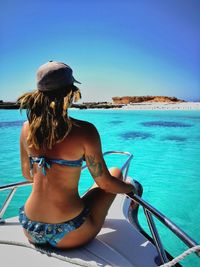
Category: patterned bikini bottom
[50,233]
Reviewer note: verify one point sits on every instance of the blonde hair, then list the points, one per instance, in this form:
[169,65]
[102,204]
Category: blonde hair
[47,115]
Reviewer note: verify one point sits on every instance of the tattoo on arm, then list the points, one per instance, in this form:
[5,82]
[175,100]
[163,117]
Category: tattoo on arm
[95,167]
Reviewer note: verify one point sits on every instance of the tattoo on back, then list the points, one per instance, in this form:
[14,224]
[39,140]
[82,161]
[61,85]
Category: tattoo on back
[95,167]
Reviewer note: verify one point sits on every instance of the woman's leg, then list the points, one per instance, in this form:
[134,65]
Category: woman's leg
[99,202]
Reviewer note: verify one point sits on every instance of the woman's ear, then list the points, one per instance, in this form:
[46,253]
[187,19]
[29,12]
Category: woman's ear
[76,95]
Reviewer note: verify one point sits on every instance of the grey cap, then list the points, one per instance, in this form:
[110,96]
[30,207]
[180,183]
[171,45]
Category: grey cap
[54,75]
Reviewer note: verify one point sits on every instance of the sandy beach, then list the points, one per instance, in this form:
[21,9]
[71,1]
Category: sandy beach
[163,106]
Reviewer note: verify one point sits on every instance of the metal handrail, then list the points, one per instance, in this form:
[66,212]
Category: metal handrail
[156,236]
[14,186]
[166,221]
[149,211]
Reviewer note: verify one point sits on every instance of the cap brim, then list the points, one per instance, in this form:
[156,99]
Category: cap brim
[75,81]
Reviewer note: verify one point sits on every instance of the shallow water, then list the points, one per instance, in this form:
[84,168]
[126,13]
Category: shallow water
[166,161]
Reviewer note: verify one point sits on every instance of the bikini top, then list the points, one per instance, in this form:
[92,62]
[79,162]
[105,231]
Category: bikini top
[44,163]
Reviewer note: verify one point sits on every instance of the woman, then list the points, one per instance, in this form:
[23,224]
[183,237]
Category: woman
[53,147]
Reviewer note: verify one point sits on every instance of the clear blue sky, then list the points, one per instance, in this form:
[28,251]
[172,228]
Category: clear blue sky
[116,48]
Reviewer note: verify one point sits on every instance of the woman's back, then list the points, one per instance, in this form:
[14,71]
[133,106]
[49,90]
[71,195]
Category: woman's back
[55,195]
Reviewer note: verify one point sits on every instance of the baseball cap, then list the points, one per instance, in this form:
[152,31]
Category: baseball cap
[54,75]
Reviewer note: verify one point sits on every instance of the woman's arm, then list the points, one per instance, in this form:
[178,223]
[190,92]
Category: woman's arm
[97,165]
[25,165]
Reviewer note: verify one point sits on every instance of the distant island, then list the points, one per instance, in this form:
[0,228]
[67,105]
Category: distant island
[8,105]
[140,99]
[130,103]
[84,105]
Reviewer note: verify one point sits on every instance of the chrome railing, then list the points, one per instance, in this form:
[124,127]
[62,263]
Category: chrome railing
[14,186]
[148,210]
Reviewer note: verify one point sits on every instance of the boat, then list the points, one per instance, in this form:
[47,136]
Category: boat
[121,242]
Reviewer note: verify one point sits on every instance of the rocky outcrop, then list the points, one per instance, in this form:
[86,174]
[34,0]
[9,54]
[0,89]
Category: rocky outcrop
[103,105]
[118,102]
[86,105]
[139,99]
[8,105]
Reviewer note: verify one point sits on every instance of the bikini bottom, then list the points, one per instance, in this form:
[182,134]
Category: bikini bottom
[50,233]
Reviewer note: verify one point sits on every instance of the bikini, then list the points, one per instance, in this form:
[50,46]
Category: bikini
[50,233]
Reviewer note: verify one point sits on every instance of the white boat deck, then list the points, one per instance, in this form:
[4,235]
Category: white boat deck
[117,244]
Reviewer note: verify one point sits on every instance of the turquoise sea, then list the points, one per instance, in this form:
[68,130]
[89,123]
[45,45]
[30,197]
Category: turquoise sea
[166,162]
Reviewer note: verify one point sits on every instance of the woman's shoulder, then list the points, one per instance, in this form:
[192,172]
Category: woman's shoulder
[85,128]
[25,127]
[85,125]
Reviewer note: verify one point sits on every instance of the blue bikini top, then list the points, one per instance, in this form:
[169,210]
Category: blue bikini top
[44,163]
